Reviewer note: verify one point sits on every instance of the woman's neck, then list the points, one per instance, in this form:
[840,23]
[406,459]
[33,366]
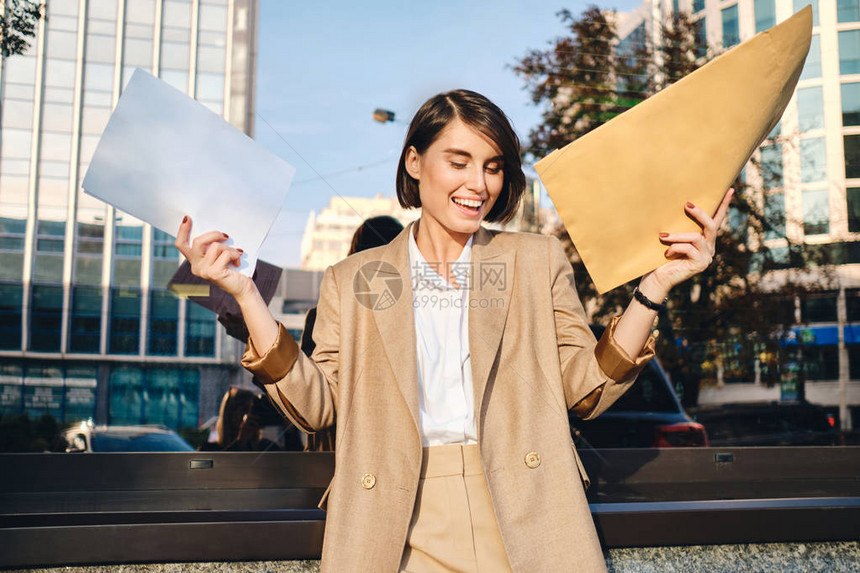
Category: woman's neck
[439,245]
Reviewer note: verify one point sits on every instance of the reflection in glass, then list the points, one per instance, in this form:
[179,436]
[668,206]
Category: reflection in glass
[849,52]
[847,11]
[812,67]
[731,33]
[163,323]
[126,395]
[46,309]
[124,321]
[813,160]
[852,156]
[85,324]
[199,331]
[765,14]
[11,301]
[800,4]
[771,165]
[850,104]
[774,215]
[853,199]
[816,212]
[810,108]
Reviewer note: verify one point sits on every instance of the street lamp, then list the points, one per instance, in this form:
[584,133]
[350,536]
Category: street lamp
[383,115]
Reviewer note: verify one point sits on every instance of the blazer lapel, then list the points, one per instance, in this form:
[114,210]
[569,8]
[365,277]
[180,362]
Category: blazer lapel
[489,301]
[396,322]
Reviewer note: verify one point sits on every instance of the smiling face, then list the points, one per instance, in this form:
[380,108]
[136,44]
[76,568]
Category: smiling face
[460,176]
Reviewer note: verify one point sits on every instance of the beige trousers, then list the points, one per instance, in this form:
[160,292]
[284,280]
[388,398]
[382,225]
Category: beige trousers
[453,526]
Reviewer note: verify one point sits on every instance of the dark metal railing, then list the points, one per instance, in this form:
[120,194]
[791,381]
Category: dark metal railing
[63,509]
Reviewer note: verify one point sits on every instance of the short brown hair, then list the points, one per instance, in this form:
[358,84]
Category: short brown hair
[479,113]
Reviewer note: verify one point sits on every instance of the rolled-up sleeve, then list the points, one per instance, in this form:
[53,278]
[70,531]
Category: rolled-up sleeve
[304,389]
[594,373]
[276,362]
[614,361]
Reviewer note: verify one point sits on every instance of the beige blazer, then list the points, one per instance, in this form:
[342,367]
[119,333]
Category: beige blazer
[533,358]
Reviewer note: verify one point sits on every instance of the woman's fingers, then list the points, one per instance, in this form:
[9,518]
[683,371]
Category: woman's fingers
[202,243]
[182,242]
[723,209]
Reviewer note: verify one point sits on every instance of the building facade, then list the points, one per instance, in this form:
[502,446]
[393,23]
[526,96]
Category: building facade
[328,234]
[810,177]
[87,326]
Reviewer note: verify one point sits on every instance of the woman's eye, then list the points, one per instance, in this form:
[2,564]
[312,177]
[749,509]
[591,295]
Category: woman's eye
[456,165]
[492,169]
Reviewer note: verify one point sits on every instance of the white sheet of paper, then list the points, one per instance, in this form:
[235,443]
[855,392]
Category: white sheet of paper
[163,156]
[272,250]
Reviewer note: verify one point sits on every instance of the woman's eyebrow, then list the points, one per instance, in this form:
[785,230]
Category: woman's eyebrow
[464,153]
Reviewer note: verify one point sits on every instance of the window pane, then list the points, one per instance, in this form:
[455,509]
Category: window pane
[847,11]
[771,165]
[810,108]
[11,299]
[816,212]
[698,5]
[849,52]
[85,325]
[851,104]
[126,395]
[853,198]
[701,28]
[800,4]
[45,318]
[731,34]
[163,323]
[821,362]
[774,215]
[124,321]
[214,18]
[162,397]
[852,156]
[765,14]
[199,331]
[813,160]
[812,67]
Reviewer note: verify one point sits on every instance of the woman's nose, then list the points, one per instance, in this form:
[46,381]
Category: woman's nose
[476,180]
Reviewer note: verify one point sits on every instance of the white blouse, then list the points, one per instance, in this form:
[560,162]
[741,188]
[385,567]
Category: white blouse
[445,398]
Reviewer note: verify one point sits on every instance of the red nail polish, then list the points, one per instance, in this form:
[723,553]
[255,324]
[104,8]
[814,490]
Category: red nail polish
[226,236]
[185,219]
[664,235]
[240,250]
[690,205]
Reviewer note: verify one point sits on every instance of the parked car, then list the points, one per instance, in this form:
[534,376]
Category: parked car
[768,424]
[90,438]
[648,415]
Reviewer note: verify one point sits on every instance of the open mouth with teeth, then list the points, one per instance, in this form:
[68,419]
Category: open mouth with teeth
[468,206]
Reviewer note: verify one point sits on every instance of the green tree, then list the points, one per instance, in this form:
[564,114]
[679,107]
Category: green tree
[18,23]
[727,317]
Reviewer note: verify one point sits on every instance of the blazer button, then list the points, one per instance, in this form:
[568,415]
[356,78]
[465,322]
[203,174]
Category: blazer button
[532,460]
[368,481]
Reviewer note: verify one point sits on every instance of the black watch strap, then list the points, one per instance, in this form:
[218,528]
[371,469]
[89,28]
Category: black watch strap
[645,301]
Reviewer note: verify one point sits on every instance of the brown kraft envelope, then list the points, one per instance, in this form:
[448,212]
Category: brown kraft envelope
[622,184]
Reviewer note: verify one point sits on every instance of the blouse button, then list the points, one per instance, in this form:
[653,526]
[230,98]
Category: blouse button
[368,481]
[532,460]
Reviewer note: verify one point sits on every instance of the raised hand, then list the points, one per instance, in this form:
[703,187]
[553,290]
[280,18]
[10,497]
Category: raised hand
[688,253]
[212,260]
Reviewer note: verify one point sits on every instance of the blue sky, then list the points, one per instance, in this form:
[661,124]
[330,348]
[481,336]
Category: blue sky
[324,66]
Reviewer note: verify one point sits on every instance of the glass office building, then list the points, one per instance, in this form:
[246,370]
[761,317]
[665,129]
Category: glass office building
[87,327]
[809,180]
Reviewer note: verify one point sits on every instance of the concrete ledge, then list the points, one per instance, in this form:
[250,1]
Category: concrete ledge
[778,557]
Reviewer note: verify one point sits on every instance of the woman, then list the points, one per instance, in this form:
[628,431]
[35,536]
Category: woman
[453,445]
